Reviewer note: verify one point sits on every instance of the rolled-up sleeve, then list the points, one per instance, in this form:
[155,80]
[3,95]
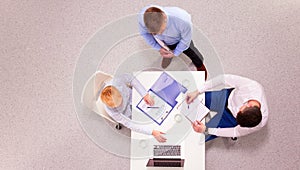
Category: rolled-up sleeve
[119,117]
[232,132]
[135,83]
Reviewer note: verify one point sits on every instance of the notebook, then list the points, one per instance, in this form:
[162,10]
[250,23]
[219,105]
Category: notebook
[164,91]
[193,111]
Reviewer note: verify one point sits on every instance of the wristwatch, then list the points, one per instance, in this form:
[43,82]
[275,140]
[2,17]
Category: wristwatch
[206,131]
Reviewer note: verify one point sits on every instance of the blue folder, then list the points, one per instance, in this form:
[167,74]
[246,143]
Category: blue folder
[166,89]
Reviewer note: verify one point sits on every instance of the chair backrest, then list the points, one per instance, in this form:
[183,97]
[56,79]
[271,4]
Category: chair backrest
[90,94]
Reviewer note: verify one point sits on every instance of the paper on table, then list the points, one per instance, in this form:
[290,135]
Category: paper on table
[159,111]
[194,111]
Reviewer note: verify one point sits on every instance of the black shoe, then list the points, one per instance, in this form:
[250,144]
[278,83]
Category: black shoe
[234,138]
[118,126]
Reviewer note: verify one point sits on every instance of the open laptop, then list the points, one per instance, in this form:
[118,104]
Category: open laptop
[166,156]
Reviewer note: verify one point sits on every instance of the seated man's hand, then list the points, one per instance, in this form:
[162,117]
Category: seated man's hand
[165,53]
[148,99]
[191,96]
[198,126]
[158,136]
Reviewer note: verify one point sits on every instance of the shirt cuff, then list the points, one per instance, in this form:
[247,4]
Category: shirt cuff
[157,47]
[177,53]
[148,131]
[212,131]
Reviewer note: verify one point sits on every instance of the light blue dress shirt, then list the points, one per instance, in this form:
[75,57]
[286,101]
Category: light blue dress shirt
[178,29]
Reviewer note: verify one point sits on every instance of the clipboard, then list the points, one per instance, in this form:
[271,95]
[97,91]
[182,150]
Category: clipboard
[159,112]
[193,111]
[162,44]
[164,91]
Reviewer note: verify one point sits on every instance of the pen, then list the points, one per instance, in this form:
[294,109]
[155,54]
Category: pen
[152,107]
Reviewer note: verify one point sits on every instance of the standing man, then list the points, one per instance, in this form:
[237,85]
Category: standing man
[169,31]
[241,106]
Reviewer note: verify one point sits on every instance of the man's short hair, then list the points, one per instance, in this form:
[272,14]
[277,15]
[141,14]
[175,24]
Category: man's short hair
[154,19]
[249,117]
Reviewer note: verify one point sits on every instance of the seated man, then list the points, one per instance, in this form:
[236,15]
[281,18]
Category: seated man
[170,26]
[241,107]
[116,95]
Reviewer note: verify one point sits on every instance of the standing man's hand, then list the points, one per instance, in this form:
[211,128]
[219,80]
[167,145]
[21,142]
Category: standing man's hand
[199,127]
[165,53]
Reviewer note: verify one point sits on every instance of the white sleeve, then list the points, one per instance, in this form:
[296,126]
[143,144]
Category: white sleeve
[120,118]
[135,83]
[225,81]
[233,132]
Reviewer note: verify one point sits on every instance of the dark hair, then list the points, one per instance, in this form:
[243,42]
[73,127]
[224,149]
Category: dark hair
[249,117]
[153,19]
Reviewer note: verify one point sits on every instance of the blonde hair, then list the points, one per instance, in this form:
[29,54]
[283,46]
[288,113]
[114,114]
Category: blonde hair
[108,96]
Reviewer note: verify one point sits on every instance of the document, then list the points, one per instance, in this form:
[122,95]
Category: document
[165,91]
[159,111]
[193,111]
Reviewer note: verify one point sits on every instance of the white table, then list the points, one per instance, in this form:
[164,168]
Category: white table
[177,132]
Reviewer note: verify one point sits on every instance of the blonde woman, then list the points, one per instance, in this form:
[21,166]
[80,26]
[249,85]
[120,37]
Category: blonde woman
[116,95]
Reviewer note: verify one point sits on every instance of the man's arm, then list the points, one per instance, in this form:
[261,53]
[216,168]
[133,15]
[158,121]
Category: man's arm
[233,132]
[224,132]
[226,81]
[218,83]
[186,37]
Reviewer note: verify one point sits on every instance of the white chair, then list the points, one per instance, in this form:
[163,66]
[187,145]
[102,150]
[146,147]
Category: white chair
[90,95]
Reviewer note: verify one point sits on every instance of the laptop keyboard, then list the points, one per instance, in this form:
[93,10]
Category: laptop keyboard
[167,150]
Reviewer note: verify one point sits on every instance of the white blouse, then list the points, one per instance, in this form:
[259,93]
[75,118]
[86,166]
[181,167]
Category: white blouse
[122,113]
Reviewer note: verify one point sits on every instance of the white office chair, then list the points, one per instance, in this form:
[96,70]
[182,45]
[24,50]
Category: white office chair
[90,95]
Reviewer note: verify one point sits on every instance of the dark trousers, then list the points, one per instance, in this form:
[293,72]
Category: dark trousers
[193,53]
[217,101]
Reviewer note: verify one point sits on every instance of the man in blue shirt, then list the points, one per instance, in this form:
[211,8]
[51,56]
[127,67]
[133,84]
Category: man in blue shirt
[169,31]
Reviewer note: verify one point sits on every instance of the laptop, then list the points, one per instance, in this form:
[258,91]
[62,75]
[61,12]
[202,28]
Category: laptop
[166,156]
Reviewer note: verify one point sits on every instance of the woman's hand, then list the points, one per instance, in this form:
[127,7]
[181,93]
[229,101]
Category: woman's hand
[158,136]
[148,99]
